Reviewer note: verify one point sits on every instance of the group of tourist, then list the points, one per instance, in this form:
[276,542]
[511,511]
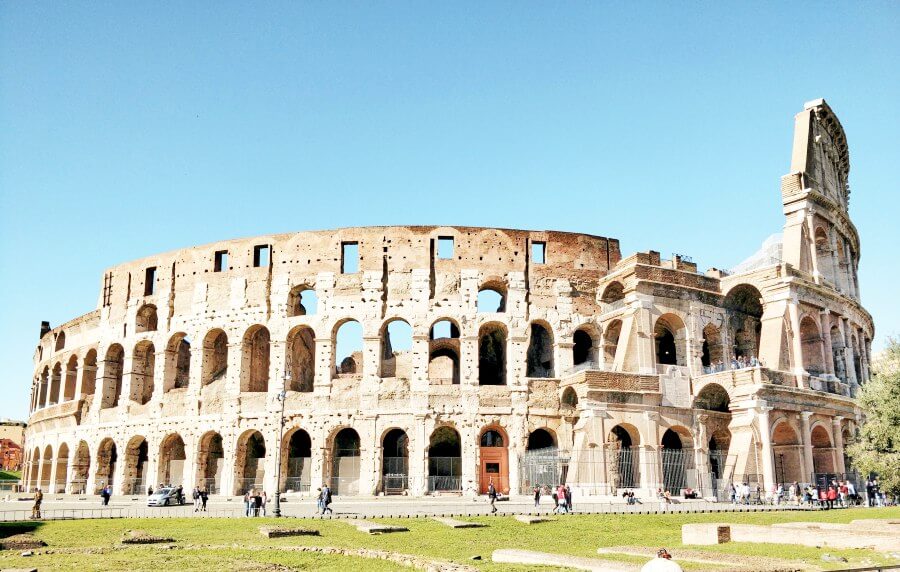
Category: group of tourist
[200,497]
[737,362]
[836,494]
[323,500]
[561,494]
[255,503]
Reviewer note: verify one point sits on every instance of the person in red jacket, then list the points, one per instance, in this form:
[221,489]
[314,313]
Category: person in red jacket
[831,496]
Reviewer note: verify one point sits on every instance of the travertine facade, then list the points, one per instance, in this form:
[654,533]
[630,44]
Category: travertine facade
[592,369]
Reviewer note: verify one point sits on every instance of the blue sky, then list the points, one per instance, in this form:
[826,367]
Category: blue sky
[132,128]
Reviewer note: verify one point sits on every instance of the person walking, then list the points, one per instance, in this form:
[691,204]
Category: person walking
[264,500]
[149,490]
[320,502]
[492,497]
[106,494]
[196,497]
[537,496]
[247,503]
[204,496]
[569,506]
[36,509]
[561,496]
[257,503]
[326,500]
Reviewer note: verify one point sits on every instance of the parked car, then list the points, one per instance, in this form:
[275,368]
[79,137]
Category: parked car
[165,497]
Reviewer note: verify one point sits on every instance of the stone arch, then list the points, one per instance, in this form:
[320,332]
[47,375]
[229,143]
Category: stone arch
[671,341]
[35,471]
[718,445]
[569,398]
[60,342]
[302,301]
[713,355]
[114,367]
[347,341]
[172,461]
[346,453]
[44,387]
[255,360]
[494,459]
[613,293]
[296,461]
[822,449]
[677,459]
[142,372]
[81,469]
[137,456]
[744,310]
[444,460]
[249,463]
[55,382]
[541,438]
[146,319]
[611,341]
[492,354]
[178,363]
[46,468]
[787,452]
[713,397]
[395,461]
[539,356]
[443,352]
[492,296]
[89,374]
[622,457]
[215,357]
[301,359]
[106,465]
[837,353]
[71,379]
[211,462]
[586,345]
[811,346]
[396,349]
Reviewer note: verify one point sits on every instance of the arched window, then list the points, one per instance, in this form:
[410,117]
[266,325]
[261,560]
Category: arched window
[71,379]
[55,382]
[837,353]
[811,345]
[112,377]
[89,374]
[492,438]
[713,397]
[146,319]
[396,349]
[540,352]
[302,301]
[669,333]
[585,347]
[348,344]
[301,359]
[613,293]
[492,297]
[443,353]
[60,341]
[142,372]
[540,439]
[611,341]
[492,355]
[743,306]
[178,363]
[215,357]
[712,357]
[569,398]
[255,360]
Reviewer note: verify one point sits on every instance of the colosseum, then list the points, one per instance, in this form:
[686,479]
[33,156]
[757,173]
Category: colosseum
[422,359]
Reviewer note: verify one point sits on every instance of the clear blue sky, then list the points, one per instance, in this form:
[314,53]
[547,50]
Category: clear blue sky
[132,128]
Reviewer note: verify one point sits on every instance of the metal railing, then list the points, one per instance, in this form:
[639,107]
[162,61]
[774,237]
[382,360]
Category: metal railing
[444,474]
[297,484]
[211,485]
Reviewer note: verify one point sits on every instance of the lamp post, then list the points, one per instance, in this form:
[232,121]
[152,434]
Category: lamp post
[282,396]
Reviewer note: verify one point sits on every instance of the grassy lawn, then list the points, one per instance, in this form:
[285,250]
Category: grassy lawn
[236,544]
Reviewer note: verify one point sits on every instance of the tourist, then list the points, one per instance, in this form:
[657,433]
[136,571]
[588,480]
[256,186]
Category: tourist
[555,500]
[851,492]
[569,499]
[561,499]
[36,509]
[149,490]
[257,503]
[196,497]
[537,496]
[745,493]
[264,500]
[320,501]
[247,502]
[792,493]
[326,499]
[492,496]
[105,494]
[732,494]
[204,496]
[843,492]
[831,495]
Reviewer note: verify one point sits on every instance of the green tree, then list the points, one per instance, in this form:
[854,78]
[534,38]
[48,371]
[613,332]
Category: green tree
[877,447]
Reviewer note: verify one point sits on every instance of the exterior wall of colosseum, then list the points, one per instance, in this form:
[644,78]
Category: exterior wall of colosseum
[518,357]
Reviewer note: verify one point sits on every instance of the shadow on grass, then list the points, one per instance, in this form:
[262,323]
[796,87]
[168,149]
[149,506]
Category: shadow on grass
[8,529]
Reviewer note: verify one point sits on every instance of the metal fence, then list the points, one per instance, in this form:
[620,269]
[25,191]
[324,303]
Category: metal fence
[541,467]
[211,485]
[444,474]
[395,475]
[296,484]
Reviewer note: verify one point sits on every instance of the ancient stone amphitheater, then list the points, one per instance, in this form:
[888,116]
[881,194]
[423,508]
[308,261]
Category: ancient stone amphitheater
[413,360]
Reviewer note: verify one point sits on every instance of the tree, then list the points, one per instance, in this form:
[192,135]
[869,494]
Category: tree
[877,447]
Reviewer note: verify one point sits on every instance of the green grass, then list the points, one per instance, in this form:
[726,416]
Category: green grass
[204,544]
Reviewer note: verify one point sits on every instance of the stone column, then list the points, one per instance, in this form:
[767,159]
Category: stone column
[838,444]
[807,445]
[324,367]
[826,336]
[234,373]
[701,453]
[418,451]
[54,463]
[563,358]
[651,470]
[229,456]
[468,360]
[317,460]
[277,367]
[849,358]
[765,437]
[797,344]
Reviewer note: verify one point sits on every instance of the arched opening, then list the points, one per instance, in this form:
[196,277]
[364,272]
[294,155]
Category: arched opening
[46,468]
[585,347]
[301,359]
[569,398]
[712,358]
[211,462]
[492,298]
[35,472]
[44,387]
[837,353]
[822,450]
[823,255]
[444,460]
[395,462]
[145,320]
[81,469]
[106,465]
[302,301]
[215,357]
[348,344]
[494,460]
[255,360]
[172,458]
[55,381]
[492,354]
[713,397]
[396,349]
[71,379]
[114,366]
[788,454]
[857,360]
[443,353]
[62,467]
[142,372]
[178,363]
[669,334]
[296,461]
[136,457]
[718,457]
[540,439]
[249,462]
[345,466]
[611,341]
[677,459]
[811,346]
[622,462]
[60,342]
[539,356]
[744,310]
[613,293]
[89,374]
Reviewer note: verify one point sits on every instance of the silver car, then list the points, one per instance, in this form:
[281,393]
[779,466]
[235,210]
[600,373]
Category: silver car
[165,497]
